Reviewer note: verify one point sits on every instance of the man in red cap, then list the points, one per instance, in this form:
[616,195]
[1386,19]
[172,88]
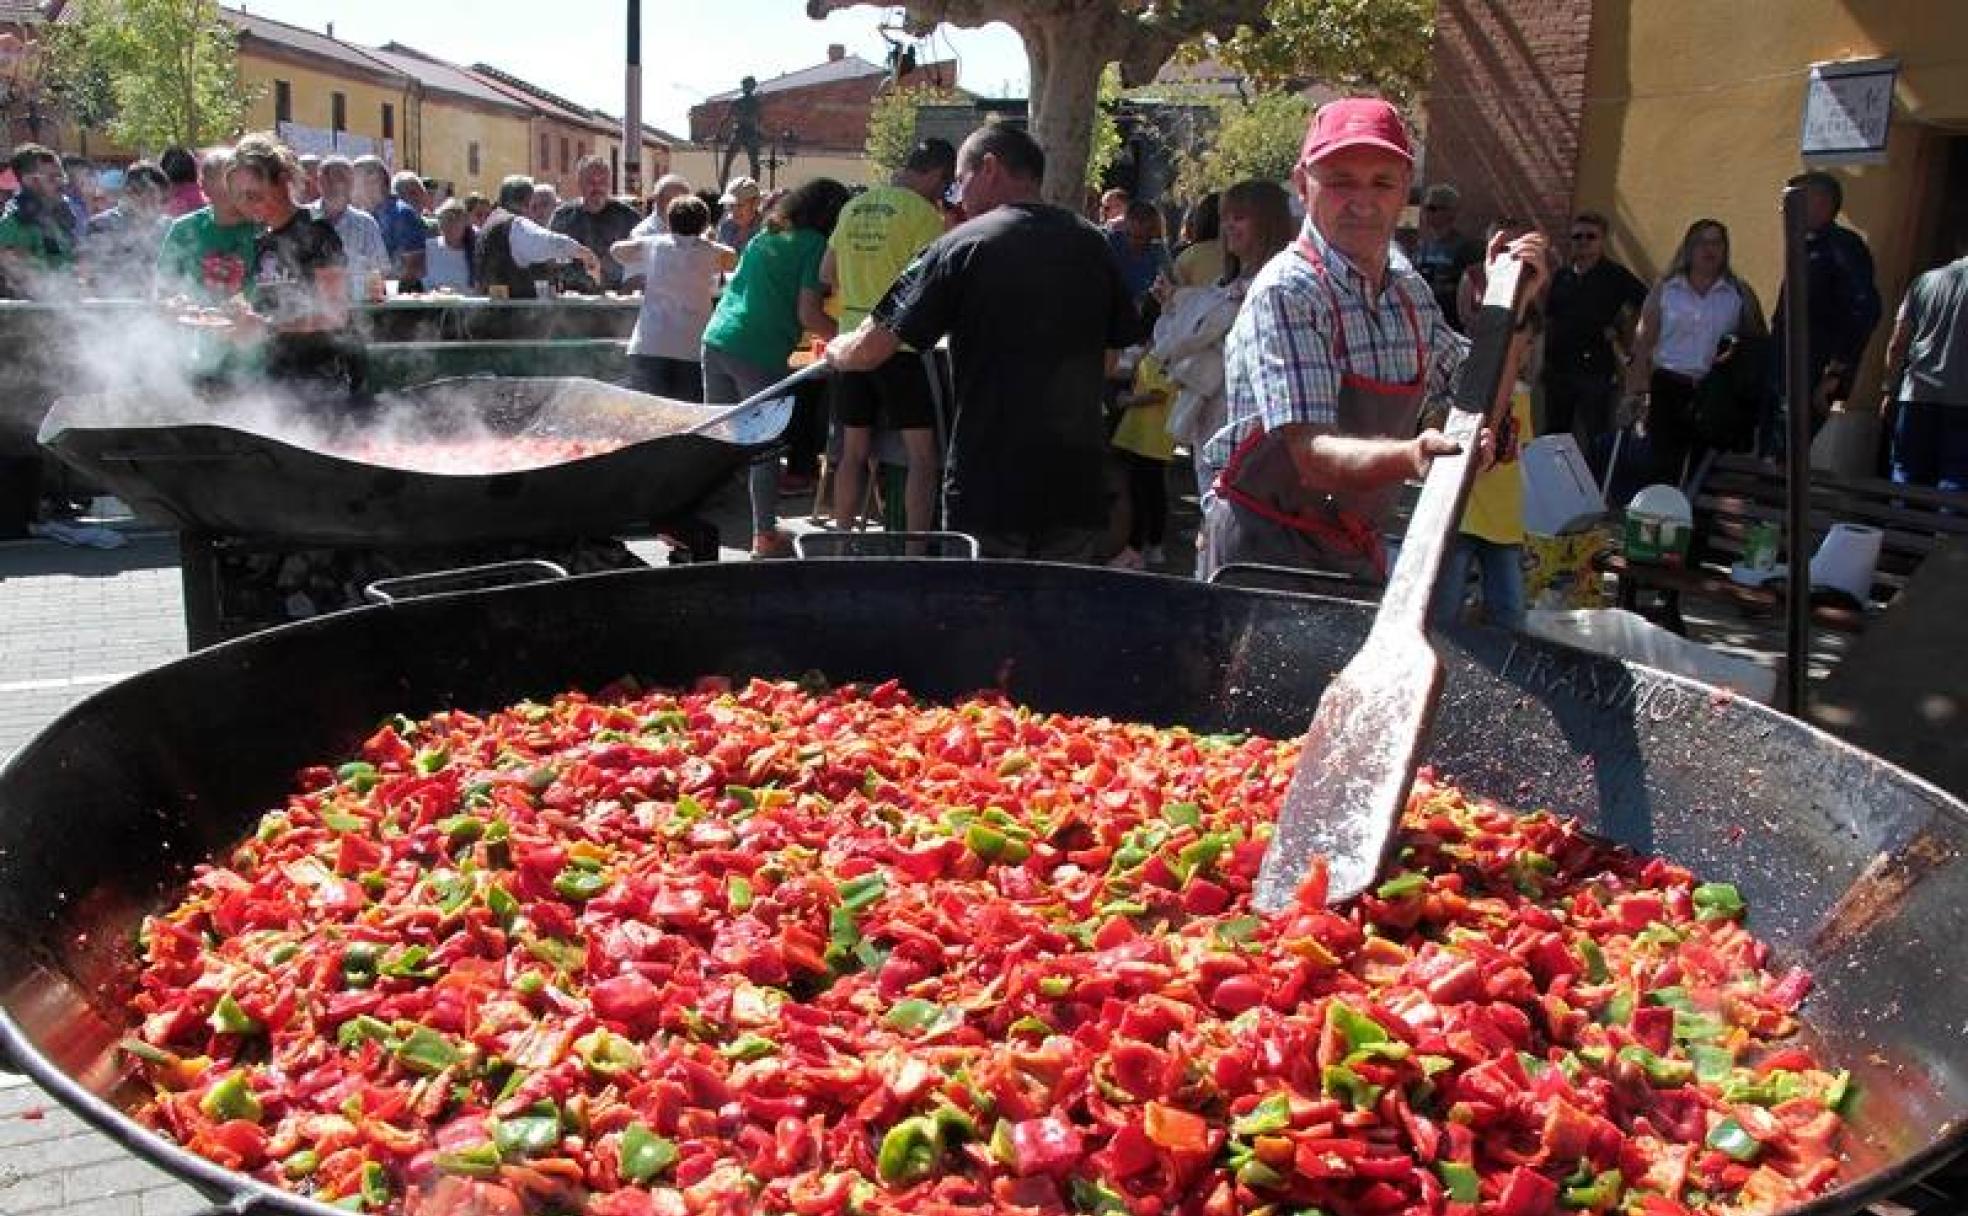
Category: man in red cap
[1338,349]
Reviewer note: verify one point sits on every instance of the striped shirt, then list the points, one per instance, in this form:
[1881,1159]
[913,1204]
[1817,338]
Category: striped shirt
[1281,364]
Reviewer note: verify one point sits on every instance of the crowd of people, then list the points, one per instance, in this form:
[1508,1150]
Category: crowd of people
[1296,343]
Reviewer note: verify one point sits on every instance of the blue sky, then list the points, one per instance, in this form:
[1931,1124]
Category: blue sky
[690,48]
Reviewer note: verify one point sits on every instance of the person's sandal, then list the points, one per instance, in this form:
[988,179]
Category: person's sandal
[767,546]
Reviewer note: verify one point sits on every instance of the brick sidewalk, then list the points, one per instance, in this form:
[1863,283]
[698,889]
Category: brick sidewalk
[73,621]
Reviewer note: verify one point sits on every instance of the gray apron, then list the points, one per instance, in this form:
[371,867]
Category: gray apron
[1262,512]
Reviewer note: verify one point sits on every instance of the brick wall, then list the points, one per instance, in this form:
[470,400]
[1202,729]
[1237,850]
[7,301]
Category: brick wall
[1505,106]
[832,116]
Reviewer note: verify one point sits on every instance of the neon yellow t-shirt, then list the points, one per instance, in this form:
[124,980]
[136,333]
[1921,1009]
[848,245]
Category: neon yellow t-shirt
[1496,502]
[879,234]
[1143,430]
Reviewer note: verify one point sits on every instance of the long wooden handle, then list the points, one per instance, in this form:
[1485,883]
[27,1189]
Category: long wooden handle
[1482,399]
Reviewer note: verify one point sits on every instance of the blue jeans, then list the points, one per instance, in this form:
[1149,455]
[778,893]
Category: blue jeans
[727,381]
[1930,445]
[1502,571]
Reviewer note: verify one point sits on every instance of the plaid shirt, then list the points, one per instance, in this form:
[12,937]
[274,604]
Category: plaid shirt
[1280,362]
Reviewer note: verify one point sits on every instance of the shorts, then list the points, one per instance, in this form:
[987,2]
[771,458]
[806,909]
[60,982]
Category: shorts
[893,397]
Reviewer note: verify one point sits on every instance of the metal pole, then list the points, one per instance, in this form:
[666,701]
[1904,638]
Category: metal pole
[632,108]
[1798,392]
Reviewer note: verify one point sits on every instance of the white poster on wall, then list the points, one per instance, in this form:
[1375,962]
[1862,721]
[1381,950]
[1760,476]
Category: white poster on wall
[1848,110]
[318,141]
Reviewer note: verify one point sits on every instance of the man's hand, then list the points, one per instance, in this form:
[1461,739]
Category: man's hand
[1533,250]
[586,257]
[1432,443]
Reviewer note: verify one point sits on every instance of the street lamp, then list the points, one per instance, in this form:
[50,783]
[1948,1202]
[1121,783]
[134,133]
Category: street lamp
[784,146]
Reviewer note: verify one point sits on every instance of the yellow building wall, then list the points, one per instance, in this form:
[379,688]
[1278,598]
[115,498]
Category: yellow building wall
[1694,109]
[312,92]
[449,129]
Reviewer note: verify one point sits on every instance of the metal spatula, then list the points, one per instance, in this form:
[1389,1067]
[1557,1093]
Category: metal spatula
[1353,776]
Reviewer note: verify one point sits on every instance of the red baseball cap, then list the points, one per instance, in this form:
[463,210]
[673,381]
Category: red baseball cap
[1355,122]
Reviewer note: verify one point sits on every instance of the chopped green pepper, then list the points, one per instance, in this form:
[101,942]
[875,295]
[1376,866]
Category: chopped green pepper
[910,1150]
[992,845]
[1339,1081]
[738,893]
[1839,1089]
[1603,1191]
[1356,1028]
[358,775]
[530,1134]
[431,759]
[361,1028]
[1183,814]
[375,1190]
[1201,854]
[231,1098]
[1237,931]
[1595,961]
[1711,1063]
[1718,901]
[301,1164]
[425,1050]
[1401,886]
[359,963]
[504,908]
[478,1161]
[579,884]
[1462,1181]
[645,1155]
[864,889]
[1660,1070]
[1728,1137]
[228,1018]
[607,1053]
[1056,986]
[461,829]
[1272,1114]
[748,1047]
[407,964]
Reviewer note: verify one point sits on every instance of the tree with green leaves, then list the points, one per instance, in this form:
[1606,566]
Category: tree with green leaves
[171,69]
[892,121]
[1069,44]
[1375,46]
[1255,140]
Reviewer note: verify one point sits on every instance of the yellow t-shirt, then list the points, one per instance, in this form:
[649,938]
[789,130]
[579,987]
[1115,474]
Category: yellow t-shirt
[1496,502]
[879,234]
[1143,430]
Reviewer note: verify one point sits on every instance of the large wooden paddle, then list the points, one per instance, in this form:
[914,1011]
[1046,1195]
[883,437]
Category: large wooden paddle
[1358,763]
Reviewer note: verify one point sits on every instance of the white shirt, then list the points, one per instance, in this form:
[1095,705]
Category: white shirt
[532,244]
[652,224]
[445,266]
[677,299]
[1691,324]
[362,244]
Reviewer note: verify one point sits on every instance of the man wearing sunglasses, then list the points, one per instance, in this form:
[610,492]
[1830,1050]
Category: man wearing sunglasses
[36,233]
[1594,303]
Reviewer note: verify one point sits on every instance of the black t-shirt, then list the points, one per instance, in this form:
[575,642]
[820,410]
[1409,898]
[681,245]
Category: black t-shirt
[1581,309]
[1031,300]
[599,231]
[285,260]
[1442,262]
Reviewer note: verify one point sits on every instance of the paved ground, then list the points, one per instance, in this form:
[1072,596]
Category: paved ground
[73,621]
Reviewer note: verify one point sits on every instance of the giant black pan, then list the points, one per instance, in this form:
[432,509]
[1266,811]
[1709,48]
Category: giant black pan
[1851,867]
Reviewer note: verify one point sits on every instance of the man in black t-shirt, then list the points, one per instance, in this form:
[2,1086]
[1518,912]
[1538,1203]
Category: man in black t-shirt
[1032,303]
[310,349]
[1593,300]
[598,222]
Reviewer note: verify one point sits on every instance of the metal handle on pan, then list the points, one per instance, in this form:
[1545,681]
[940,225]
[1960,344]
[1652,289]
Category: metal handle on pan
[1262,577]
[465,578]
[886,544]
[811,371]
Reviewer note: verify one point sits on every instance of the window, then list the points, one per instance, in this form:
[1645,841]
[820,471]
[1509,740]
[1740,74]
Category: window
[389,121]
[338,109]
[581,150]
[563,154]
[546,152]
[471,158]
[283,102]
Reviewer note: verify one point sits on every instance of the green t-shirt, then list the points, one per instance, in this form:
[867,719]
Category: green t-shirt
[757,318]
[205,259]
[879,234]
[36,235]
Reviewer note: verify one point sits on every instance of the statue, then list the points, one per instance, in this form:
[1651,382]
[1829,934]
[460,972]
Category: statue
[741,126]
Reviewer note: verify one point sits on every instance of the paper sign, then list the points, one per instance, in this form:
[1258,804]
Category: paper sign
[1848,107]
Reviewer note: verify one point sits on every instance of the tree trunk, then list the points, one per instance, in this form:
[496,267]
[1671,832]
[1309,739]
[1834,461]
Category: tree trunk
[1068,52]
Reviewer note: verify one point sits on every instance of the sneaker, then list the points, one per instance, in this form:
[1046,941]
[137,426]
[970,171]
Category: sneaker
[1126,559]
[1155,556]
